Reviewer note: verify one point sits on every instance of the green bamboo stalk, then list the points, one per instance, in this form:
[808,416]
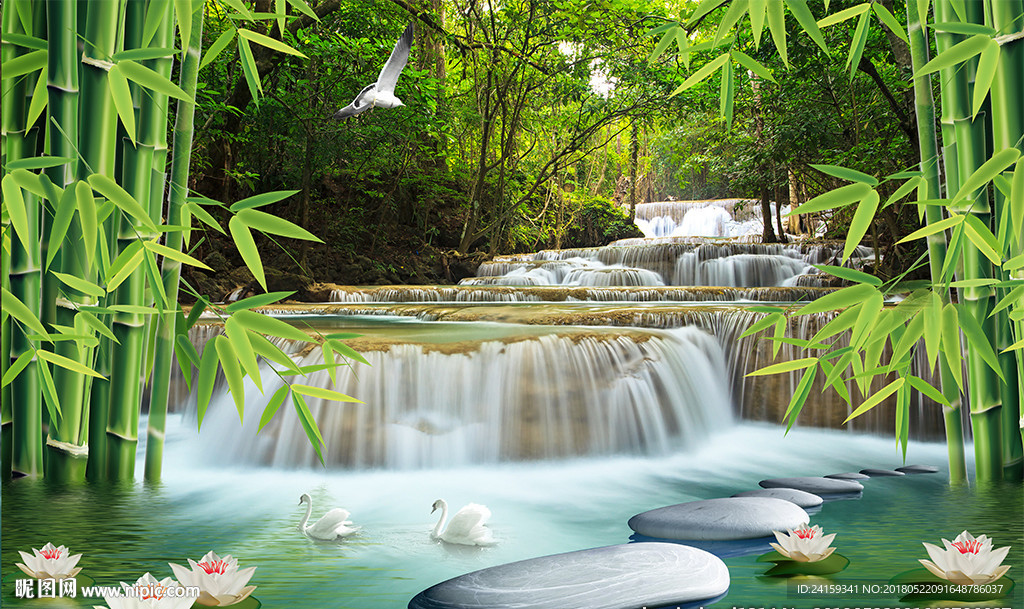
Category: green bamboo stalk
[66,444]
[1007,95]
[7,92]
[925,106]
[25,271]
[983,383]
[171,269]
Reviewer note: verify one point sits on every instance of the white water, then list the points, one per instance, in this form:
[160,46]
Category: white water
[727,218]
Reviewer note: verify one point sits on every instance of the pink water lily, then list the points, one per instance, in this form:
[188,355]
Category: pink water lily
[219,580]
[50,562]
[148,593]
[804,544]
[967,560]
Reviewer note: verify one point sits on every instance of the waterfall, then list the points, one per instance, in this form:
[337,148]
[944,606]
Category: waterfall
[553,396]
[478,293]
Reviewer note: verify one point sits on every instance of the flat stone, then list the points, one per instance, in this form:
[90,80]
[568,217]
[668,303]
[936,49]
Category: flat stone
[613,577]
[801,498]
[879,473]
[816,485]
[918,469]
[848,476]
[720,519]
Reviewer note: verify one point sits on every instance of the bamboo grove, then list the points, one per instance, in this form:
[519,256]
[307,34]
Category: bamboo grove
[969,193]
[94,234]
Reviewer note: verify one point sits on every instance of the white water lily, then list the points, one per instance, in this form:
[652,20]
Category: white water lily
[50,562]
[148,593]
[219,580]
[967,560]
[805,544]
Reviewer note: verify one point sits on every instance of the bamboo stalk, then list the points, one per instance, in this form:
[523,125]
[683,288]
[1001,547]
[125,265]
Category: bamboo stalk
[925,109]
[171,269]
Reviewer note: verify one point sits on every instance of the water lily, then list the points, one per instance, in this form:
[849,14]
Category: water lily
[50,562]
[219,580]
[967,560]
[148,593]
[804,544]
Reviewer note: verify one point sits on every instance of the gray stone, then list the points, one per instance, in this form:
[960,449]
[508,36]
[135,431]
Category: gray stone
[848,476]
[880,473]
[613,577]
[801,498]
[818,486]
[918,469]
[720,519]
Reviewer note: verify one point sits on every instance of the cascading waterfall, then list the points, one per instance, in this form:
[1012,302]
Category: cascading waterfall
[475,293]
[727,218]
[552,396]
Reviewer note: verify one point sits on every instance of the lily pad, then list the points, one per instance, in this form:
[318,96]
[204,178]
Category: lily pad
[785,567]
[247,603]
[931,587]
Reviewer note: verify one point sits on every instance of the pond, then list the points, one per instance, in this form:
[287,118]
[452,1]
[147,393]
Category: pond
[539,508]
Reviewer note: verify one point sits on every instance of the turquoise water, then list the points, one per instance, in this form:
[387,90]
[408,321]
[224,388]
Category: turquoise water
[539,508]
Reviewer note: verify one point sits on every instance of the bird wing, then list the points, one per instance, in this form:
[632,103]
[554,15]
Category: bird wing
[469,522]
[357,106]
[326,526]
[396,63]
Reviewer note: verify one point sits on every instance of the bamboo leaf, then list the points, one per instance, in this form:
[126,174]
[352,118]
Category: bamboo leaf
[860,38]
[973,283]
[890,21]
[876,399]
[17,211]
[205,217]
[38,162]
[273,405]
[861,222]
[24,40]
[22,313]
[93,322]
[958,53]
[120,197]
[270,326]
[905,189]
[837,385]
[260,300]
[147,78]
[323,394]
[977,340]
[24,64]
[806,19]
[242,9]
[77,283]
[843,321]
[330,360]
[986,173]
[840,299]
[269,42]
[195,313]
[61,222]
[218,45]
[915,329]
[70,364]
[232,372]
[349,352]
[188,351]
[796,364]
[849,274]
[239,338]
[702,9]
[736,10]
[267,223]
[843,15]
[727,90]
[121,95]
[683,47]
[19,364]
[928,390]
[1014,297]
[1014,347]
[800,394]
[988,64]
[156,13]
[272,352]
[145,54]
[668,38]
[247,249]
[840,197]
[173,254]
[933,228]
[124,265]
[308,425]
[183,15]
[964,29]
[845,173]
[252,74]
[983,239]
[761,324]
[207,375]
[1016,201]
[302,7]
[87,215]
[183,358]
[751,64]
[342,335]
[702,73]
[950,344]
[153,276]
[757,14]
[50,396]
[40,98]
[261,199]
[777,27]
[869,310]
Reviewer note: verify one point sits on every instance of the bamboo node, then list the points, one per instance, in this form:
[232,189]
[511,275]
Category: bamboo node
[155,433]
[97,63]
[75,450]
[1008,38]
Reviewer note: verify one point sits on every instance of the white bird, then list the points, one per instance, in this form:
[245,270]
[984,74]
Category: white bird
[466,527]
[381,94]
[333,525]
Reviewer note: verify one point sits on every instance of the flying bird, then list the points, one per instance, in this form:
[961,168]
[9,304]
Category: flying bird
[381,94]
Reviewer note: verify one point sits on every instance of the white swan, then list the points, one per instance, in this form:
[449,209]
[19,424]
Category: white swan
[333,525]
[466,527]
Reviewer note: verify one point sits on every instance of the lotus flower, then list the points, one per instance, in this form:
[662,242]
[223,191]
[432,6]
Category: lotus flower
[151,594]
[805,544]
[219,580]
[50,562]
[968,560]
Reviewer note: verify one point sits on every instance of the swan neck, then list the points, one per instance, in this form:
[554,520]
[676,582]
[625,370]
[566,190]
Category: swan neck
[309,511]
[440,522]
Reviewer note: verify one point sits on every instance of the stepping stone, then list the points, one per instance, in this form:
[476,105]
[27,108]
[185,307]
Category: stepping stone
[848,476]
[801,498]
[818,486]
[614,577]
[918,469]
[720,519]
[880,473]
